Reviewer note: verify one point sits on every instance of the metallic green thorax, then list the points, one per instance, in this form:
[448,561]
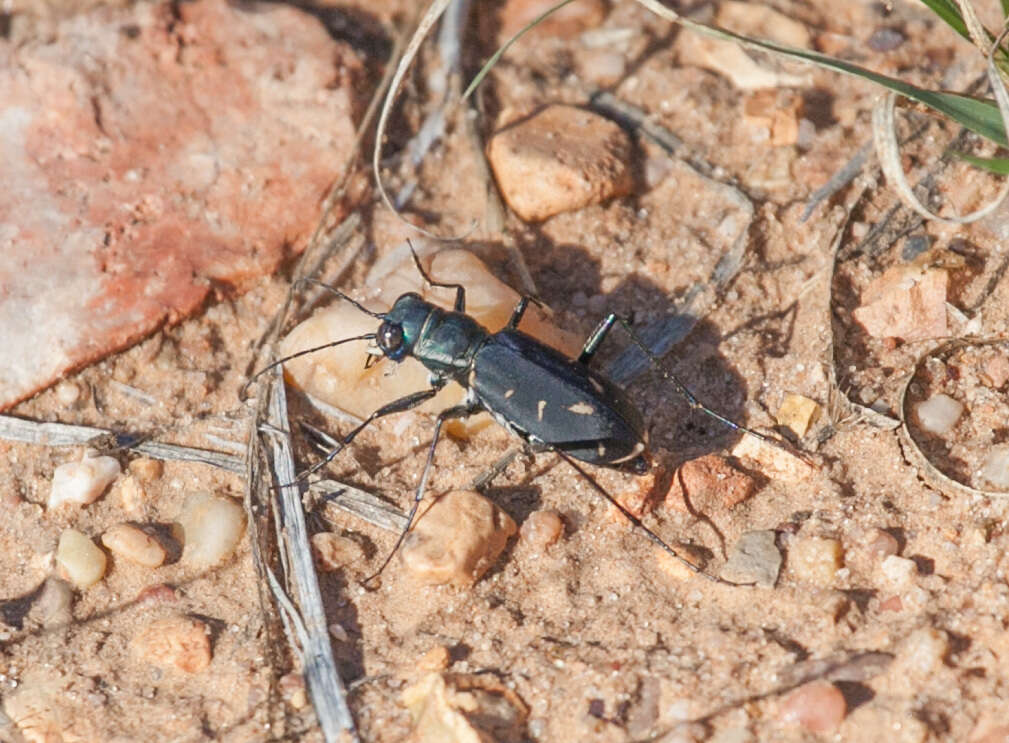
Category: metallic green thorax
[443,341]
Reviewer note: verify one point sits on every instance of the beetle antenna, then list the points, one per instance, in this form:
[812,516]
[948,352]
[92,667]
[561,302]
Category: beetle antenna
[341,295]
[243,393]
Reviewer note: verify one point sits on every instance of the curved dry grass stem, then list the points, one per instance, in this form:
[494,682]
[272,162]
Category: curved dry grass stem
[430,17]
[884,132]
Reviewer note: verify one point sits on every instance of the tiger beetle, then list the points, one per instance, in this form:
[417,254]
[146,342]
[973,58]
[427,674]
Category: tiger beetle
[551,402]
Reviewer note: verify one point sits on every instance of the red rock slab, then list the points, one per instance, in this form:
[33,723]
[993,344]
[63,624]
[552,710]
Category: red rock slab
[150,153]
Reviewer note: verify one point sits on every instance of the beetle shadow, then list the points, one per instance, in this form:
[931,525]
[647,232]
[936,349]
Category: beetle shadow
[572,281]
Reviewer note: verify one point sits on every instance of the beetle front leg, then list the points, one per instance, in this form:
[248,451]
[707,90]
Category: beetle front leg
[396,406]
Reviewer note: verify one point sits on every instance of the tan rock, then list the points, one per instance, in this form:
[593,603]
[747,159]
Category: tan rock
[816,560]
[464,708]
[456,539]
[797,413]
[559,159]
[135,545]
[175,642]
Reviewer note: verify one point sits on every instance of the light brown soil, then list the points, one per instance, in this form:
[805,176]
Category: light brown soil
[595,636]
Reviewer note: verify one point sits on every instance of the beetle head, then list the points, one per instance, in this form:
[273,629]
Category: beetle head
[402,326]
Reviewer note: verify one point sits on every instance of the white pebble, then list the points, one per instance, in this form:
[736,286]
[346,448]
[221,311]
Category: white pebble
[68,393]
[130,543]
[82,482]
[996,466]
[939,413]
[79,560]
[899,571]
[211,528]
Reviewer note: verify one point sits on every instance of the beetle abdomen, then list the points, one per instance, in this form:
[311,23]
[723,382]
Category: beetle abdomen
[554,400]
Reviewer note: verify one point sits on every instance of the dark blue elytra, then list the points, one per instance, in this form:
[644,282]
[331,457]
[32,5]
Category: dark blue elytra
[531,389]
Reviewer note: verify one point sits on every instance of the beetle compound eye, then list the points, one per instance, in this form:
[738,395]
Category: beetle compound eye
[390,340]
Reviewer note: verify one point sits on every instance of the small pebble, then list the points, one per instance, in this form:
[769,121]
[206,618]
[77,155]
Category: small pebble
[292,690]
[774,461]
[921,653]
[939,413]
[754,559]
[995,370]
[211,528]
[158,593]
[882,544]
[818,706]
[892,603]
[178,642]
[147,470]
[68,393]
[995,468]
[54,605]
[338,632]
[438,658]
[135,545]
[899,571]
[131,493]
[885,39]
[816,559]
[541,529]
[84,481]
[798,413]
[905,302]
[333,551]
[79,560]
[456,539]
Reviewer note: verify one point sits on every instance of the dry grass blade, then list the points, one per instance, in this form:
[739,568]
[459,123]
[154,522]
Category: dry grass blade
[360,503]
[324,684]
[64,434]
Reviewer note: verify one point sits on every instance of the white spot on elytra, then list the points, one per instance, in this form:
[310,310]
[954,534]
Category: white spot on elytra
[540,407]
[509,393]
[582,408]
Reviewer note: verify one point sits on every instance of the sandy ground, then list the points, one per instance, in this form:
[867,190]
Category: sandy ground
[597,636]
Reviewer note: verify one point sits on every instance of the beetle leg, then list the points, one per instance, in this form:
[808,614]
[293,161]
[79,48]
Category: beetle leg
[459,411]
[596,338]
[396,406]
[460,290]
[520,310]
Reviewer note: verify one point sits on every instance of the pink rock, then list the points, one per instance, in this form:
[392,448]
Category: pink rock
[708,483]
[905,302]
[149,157]
[818,706]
